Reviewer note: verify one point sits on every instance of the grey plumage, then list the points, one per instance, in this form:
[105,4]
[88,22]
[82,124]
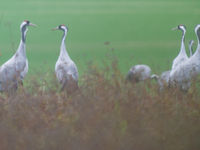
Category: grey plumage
[139,73]
[10,71]
[65,68]
[184,73]
[190,47]
[163,80]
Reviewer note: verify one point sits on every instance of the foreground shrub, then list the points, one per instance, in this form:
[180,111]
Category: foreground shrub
[105,113]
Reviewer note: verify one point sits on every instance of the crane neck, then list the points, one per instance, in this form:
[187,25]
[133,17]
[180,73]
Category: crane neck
[64,36]
[198,38]
[198,42]
[21,49]
[22,46]
[23,33]
[63,52]
[190,49]
[182,51]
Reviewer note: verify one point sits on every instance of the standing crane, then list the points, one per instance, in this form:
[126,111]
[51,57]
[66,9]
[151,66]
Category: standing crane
[182,56]
[65,69]
[16,67]
[163,80]
[188,70]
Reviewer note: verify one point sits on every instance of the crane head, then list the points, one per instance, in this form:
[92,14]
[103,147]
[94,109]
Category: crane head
[180,27]
[26,23]
[61,27]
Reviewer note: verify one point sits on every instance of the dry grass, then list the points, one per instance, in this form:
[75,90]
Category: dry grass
[106,113]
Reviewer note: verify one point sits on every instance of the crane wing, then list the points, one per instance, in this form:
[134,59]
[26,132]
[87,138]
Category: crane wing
[64,69]
[23,73]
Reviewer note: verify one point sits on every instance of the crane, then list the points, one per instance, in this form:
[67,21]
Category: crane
[12,70]
[140,72]
[65,68]
[188,70]
[163,80]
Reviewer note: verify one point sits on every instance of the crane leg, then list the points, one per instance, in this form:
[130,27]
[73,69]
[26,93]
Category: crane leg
[21,83]
[69,85]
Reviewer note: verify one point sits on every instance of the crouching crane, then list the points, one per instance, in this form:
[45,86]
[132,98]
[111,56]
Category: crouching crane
[65,69]
[140,73]
[15,69]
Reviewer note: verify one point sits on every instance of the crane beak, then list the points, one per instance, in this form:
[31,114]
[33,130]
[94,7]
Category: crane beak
[176,28]
[31,24]
[54,29]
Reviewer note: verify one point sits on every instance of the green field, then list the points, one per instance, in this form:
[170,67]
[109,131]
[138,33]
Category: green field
[138,31]
[105,112]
